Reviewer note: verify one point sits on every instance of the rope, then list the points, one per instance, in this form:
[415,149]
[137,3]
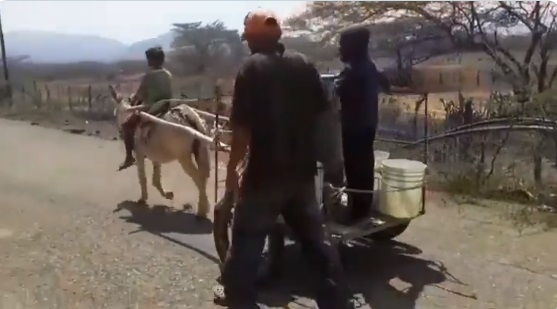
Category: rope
[351,190]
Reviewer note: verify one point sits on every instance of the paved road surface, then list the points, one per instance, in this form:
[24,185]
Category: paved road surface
[62,245]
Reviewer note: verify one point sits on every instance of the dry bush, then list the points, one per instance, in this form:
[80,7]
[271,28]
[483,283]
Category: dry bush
[491,164]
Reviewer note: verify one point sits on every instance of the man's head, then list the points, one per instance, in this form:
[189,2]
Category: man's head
[262,30]
[353,43]
[155,57]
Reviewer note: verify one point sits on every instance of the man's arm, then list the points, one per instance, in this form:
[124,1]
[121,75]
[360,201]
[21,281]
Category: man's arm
[318,94]
[240,118]
[141,92]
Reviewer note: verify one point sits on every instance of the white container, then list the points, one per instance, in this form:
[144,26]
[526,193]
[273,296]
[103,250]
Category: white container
[379,156]
[319,183]
[400,193]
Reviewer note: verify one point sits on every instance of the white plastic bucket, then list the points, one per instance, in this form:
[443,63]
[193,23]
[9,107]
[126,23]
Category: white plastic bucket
[319,183]
[400,193]
[379,156]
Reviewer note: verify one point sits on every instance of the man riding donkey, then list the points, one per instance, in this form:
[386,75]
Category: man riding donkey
[156,85]
[278,97]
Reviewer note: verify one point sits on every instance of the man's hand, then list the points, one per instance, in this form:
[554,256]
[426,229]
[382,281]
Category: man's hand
[232,183]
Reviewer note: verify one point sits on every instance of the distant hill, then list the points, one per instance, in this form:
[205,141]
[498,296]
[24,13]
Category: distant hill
[51,47]
[137,49]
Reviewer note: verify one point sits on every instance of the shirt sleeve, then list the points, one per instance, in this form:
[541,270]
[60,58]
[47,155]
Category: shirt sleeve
[141,93]
[242,107]
[318,94]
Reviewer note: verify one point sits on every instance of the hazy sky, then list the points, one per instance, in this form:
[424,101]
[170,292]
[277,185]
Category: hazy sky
[129,21]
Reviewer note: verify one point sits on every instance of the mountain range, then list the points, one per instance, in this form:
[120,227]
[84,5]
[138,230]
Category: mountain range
[51,47]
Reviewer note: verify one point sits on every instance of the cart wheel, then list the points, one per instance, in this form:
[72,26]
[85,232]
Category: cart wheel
[389,233]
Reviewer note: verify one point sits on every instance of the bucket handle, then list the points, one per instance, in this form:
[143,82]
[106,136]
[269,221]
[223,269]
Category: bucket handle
[397,188]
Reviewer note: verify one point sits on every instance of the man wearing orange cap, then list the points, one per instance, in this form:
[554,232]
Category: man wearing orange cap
[277,97]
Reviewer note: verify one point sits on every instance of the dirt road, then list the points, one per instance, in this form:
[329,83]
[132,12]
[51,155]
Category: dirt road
[69,239]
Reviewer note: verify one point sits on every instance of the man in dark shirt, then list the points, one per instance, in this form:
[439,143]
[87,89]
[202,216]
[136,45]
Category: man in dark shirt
[277,98]
[358,87]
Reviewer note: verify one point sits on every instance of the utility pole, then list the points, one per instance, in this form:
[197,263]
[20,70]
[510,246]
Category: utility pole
[5,64]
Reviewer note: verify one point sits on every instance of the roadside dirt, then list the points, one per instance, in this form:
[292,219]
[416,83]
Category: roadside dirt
[64,121]
[71,238]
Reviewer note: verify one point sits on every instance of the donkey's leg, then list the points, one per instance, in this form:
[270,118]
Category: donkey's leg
[200,182]
[157,182]
[140,163]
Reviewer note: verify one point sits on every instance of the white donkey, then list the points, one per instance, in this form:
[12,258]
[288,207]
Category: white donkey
[162,143]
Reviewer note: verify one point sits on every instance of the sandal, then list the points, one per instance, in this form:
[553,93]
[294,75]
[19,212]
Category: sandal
[220,300]
[219,296]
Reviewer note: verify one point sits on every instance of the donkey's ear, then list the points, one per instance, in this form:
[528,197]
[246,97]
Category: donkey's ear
[114,94]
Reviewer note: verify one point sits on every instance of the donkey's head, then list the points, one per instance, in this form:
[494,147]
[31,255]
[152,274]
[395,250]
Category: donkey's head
[122,104]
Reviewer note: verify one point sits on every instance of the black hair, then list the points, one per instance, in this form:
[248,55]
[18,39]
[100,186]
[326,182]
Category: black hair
[155,54]
[354,42]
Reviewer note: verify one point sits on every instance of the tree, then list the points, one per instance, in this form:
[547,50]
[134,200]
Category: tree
[207,47]
[314,49]
[459,25]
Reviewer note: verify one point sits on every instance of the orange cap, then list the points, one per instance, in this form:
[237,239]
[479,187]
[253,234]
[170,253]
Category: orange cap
[261,22]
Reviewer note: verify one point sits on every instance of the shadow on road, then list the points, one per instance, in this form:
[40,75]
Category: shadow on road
[369,270]
[163,219]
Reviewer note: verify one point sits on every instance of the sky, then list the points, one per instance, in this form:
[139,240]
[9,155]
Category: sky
[129,21]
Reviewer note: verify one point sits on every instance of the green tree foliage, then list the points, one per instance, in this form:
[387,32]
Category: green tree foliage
[203,48]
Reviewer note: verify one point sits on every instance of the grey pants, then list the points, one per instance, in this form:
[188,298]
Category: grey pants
[254,218]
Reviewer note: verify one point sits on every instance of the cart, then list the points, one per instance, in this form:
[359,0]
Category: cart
[376,227]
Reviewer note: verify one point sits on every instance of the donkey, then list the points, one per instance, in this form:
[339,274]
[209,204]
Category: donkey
[162,144]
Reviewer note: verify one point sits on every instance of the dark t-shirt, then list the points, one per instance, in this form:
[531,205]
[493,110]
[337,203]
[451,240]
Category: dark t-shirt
[278,98]
[358,87]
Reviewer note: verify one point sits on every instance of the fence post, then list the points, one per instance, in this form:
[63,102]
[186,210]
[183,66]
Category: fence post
[37,97]
[23,94]
[492,73]
[47,90]
[70,105]
[90,98]
[218,102]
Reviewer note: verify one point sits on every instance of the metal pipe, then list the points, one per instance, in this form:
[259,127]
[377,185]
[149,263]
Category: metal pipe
[217,102]
[426,147]
[211,116]
[202,137]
